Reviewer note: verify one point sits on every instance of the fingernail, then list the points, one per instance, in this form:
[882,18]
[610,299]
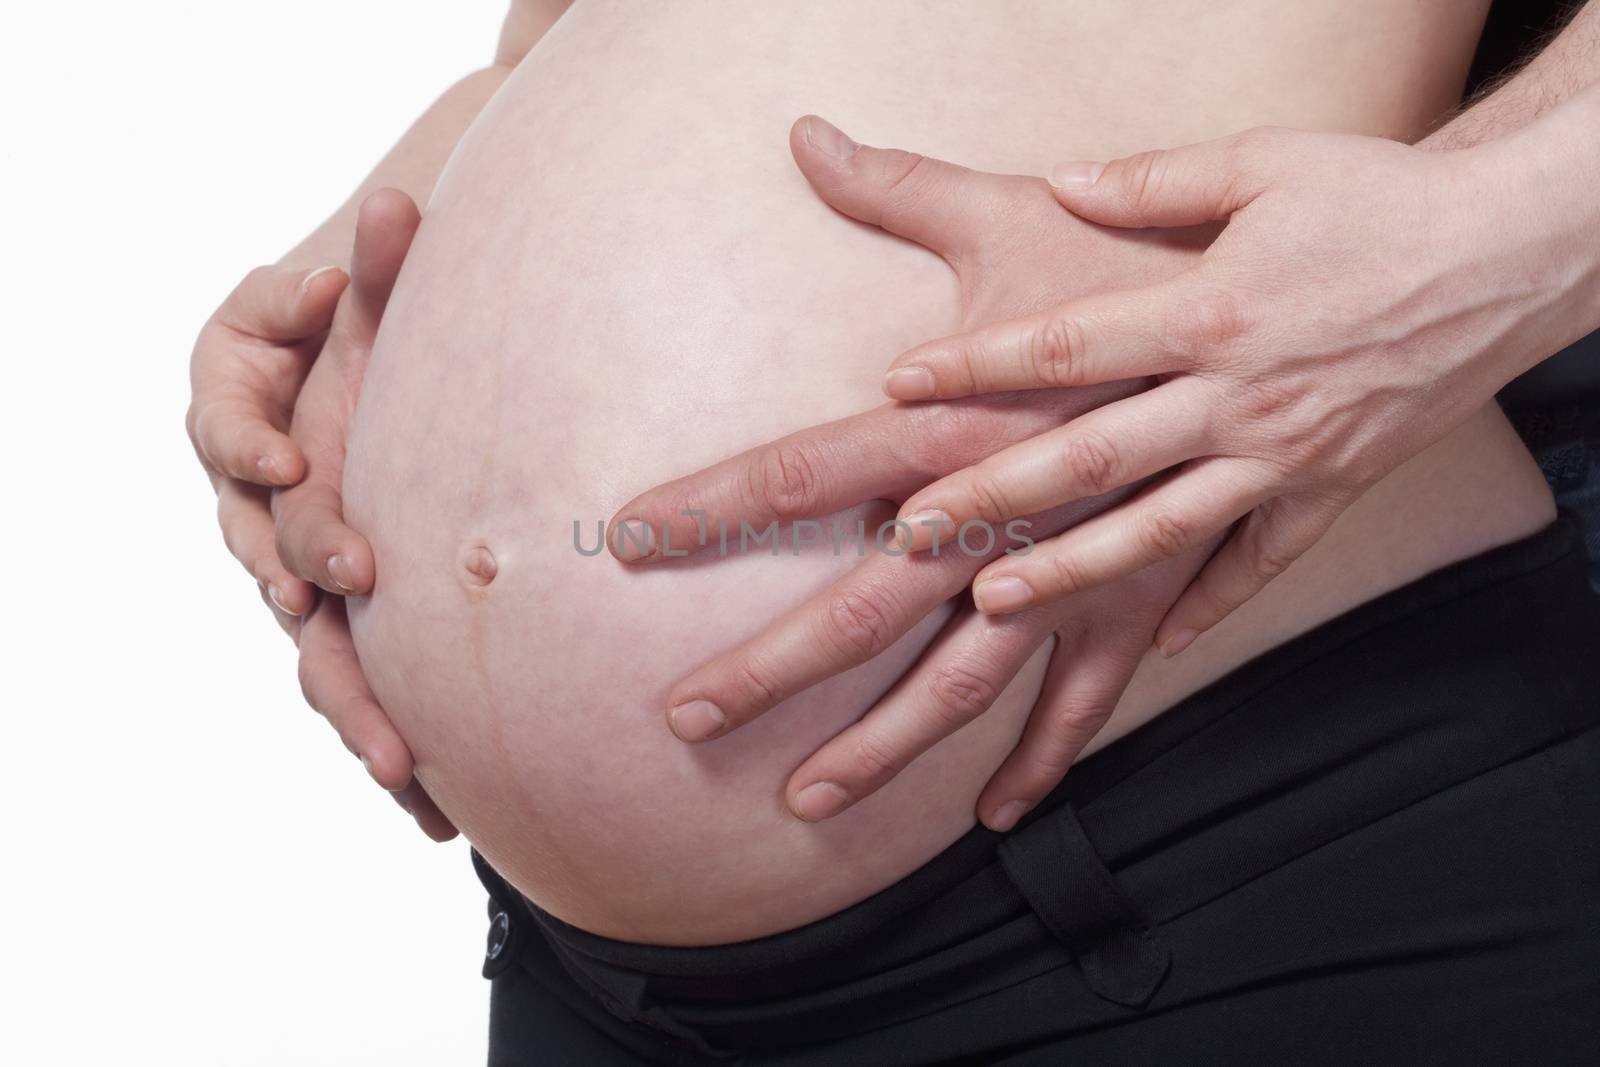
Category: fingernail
[366,762]
[267,468]
[311,279]
[926,527]
[1002,594]
[276,596]
[635,540]
[909,383]
[1178,642]
[820,800]
[1074,176]
[829,139]
[339,571]
[1007,815]
[697,720]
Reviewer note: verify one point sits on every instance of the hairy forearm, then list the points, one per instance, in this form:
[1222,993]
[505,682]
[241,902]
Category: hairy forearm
[413,165]
[1569,63]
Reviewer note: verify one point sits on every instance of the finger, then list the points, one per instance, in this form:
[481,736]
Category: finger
[1101,640]
[1102,338]
[248,361]
[290,624]
[959,677]
[312,539]
[246,521]
[1108,448]
[943,207]
[385,227]
[885,453]
[1081,689]
[331,678]
[1172,187]
[1200,499]
[234,435]
[1270,538]
[415,801]
[282,304]
[854,620]
[815,472]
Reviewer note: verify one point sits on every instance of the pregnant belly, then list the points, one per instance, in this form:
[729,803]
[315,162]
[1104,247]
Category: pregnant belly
[585,314]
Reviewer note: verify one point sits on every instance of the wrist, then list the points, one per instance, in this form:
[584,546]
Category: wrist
[1541,221]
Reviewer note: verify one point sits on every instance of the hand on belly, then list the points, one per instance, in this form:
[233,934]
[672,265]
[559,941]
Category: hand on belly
[1012,248]
[566,334]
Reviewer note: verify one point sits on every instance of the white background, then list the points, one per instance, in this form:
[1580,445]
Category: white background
[195,871]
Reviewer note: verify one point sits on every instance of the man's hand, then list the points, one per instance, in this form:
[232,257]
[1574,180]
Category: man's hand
[1013,250]
[1364,299]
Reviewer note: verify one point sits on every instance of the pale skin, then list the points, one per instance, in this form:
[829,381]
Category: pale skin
[1247,404]
[240,422]
[246,372]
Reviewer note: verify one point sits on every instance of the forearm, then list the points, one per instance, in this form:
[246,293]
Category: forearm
[1537,207]
[1558,72]
[414,163]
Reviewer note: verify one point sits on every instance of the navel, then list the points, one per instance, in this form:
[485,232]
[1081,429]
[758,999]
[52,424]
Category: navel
[478,565]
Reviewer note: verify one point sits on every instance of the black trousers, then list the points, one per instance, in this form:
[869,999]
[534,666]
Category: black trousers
[1375,844]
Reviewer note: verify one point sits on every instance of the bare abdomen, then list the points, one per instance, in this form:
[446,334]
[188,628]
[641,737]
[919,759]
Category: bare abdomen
[621,278]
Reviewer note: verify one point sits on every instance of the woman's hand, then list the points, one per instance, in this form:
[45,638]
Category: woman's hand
[1013,250]
[312,538]
[1364,299]
[248,369]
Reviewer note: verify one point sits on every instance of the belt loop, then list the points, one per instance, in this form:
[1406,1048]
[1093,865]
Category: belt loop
[1056,868]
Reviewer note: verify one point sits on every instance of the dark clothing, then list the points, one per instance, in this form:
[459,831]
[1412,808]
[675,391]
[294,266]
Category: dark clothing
[1555,406]
[1513,32]
[1374,844]
[1556,409]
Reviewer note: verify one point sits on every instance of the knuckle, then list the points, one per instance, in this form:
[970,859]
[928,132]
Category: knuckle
[1067,574]
[1066,731]
[1267,562]
[861,622]
[1141,176]
[1218,318]
[942,438]
[1089,461]
[784,481]
[986,499]
[1162,534]
[1050,761]
[757,682]
[1261,400]
[875,758]
[907,179]
[960,694]
[1265,554]
[1055,350]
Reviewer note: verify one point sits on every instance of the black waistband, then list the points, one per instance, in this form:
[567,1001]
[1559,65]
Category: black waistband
[1469,668]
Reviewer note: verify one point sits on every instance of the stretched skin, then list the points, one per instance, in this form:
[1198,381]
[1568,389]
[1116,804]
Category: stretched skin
[584,315]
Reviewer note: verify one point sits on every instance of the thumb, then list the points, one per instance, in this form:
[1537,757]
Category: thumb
[385,227]
[943,207]
[1172,187]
